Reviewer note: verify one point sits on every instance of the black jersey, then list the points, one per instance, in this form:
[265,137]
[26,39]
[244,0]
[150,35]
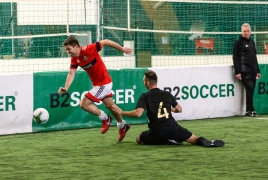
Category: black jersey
[244,56]
[157,104]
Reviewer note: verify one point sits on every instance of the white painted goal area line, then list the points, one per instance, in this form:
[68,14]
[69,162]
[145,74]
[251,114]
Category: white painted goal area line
[261,118]
[258,118]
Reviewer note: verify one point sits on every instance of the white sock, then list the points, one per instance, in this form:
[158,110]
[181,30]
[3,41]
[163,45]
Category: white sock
[103,115]
[121,124]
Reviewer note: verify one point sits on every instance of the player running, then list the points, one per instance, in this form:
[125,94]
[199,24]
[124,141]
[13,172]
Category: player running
[88,58]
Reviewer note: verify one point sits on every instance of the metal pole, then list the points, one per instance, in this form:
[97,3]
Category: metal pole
[67,23]
[12,27]
[98,19]
[128,15]
[85,10]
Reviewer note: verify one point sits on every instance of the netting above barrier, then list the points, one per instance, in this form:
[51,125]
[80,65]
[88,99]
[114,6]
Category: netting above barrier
[161,32]
[186,28]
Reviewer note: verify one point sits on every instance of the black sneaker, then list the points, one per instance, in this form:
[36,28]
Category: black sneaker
[213,143]
[253,114]
[173,142]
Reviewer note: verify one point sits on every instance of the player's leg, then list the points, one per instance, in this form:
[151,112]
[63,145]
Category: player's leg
[90,107]
[249,82]
[151,138]
[87,105]
[184,134]
[121,124]
[95,95]
[108,102]
[145,138]
[201,141]
[138,140]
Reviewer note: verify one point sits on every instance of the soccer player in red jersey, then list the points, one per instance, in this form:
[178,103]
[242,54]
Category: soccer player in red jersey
[88,58]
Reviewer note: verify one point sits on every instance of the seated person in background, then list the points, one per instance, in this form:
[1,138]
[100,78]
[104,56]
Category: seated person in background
[163,129]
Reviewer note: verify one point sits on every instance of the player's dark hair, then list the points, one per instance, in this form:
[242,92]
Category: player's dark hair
[72,41]
[151,76]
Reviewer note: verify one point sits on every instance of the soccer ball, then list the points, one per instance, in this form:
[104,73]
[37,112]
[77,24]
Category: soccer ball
[40,115]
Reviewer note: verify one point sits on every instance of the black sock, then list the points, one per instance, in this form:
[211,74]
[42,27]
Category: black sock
[200,141]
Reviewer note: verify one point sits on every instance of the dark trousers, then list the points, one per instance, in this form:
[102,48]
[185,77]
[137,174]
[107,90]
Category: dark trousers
[249,82]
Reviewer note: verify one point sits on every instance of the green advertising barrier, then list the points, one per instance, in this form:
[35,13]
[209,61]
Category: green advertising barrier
[64,109]
[261,91]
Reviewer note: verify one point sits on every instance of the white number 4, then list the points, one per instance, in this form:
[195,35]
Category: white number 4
[165,114]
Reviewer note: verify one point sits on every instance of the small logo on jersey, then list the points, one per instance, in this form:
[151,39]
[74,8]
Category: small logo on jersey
[246,45]
[89,65]
[85,58]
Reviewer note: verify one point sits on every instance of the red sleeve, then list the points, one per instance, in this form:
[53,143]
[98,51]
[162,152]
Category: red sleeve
[99,45]
[73,65]
[93,48]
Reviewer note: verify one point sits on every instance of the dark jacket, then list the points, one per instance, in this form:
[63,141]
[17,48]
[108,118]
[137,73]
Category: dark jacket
[244,56]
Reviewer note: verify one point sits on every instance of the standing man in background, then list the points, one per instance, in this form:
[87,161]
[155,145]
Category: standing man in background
[246,66]
[88,58]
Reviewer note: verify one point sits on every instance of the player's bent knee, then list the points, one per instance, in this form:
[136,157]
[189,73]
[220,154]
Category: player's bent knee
[192,139]
[108,106]
[84,103]
[138,140]
[108,102]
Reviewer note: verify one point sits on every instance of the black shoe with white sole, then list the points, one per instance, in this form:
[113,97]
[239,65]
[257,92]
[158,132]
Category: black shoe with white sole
[213,143]
[253,114]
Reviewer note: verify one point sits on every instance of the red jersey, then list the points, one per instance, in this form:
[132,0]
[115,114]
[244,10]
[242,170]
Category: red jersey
[90,60]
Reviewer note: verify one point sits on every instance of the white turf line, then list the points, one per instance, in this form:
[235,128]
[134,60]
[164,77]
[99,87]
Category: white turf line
[257,118]
[261,118]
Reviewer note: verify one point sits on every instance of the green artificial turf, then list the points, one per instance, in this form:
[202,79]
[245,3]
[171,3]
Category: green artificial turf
[88,154]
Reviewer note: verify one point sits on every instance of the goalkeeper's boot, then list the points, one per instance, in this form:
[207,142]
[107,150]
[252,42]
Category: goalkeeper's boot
[213,143]
[123,131]
[106,124]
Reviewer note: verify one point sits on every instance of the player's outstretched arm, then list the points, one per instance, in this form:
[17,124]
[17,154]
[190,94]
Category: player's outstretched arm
[134,113]
[115,45]
[69,80]
[177,109]
[127,50]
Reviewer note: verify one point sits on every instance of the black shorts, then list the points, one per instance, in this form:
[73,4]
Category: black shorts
[179,134]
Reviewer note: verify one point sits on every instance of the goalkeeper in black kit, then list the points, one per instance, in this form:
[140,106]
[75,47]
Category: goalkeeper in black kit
[163,129]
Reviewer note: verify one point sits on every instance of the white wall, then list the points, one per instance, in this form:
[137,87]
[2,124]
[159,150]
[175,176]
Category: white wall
[160,61]
[116,62]
[57,12]
[57,64]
